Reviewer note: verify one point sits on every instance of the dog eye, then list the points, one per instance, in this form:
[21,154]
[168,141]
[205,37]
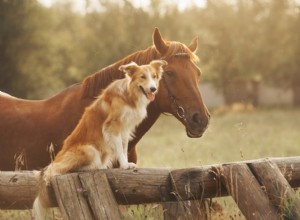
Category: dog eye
[154,76]
[143,76]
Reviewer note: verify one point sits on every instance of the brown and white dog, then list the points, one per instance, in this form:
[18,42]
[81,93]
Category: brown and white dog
[101,137]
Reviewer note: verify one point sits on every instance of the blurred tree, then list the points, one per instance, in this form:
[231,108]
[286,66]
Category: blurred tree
[114,33]
[13,27]
[294,73]
[247,42]
[230,47]
[282,43]
[39,48]
[43,50]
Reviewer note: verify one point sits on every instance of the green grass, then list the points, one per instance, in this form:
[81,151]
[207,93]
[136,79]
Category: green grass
[231,136]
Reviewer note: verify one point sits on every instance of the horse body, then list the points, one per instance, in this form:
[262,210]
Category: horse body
[27,127]
[27,124]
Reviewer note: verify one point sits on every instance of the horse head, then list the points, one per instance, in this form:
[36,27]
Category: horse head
[179,92]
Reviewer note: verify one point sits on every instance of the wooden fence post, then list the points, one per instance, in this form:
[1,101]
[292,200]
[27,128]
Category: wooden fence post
[85,196]
[278,189]
[188,184]
[247,192]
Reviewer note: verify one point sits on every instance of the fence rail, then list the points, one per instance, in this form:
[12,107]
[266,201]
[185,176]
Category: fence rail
[18,189]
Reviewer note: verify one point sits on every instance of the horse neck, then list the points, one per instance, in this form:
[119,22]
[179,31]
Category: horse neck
[94,84]
[153,115]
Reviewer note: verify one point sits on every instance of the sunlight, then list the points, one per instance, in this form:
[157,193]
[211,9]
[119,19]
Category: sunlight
[81,5]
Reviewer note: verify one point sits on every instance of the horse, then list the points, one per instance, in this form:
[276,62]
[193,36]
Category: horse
[32,131]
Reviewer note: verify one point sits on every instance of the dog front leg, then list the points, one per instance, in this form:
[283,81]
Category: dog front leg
[116,144]
[125,141]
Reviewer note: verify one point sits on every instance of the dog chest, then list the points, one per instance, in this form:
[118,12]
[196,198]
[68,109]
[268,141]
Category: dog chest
[133,116]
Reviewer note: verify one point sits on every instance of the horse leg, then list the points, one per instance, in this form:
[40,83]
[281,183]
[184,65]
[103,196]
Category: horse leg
[132,154]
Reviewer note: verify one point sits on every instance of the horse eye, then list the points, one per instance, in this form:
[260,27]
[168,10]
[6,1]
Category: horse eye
[170,73]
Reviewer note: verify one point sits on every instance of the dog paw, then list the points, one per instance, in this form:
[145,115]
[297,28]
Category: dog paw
[131,165]
[128,166]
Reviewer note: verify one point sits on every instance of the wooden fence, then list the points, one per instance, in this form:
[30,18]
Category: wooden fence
[262,189]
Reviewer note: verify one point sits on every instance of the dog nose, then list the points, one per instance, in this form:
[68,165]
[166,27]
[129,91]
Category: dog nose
[152,89]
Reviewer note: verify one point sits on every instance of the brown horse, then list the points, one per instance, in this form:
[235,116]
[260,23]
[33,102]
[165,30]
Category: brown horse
[27,128]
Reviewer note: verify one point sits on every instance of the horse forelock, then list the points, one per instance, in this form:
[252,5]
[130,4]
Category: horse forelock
[179,49]
[95,83]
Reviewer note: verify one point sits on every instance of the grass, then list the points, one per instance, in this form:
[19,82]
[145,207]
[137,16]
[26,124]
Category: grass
[231,136]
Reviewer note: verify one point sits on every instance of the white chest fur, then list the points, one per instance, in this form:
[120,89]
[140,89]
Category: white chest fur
[132,117]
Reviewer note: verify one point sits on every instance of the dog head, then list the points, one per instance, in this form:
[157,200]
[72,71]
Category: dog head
[145,77]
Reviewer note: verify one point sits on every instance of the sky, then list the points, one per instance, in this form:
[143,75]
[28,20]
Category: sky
[80,6]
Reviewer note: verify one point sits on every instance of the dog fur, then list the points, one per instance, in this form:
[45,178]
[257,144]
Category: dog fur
[101,137]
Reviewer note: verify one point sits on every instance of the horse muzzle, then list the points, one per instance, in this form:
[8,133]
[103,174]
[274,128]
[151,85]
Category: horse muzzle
[196,125]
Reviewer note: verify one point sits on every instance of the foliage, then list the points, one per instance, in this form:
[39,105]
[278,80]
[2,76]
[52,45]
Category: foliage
[43,50]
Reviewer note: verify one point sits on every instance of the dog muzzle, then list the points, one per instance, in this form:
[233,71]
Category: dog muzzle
[149,95]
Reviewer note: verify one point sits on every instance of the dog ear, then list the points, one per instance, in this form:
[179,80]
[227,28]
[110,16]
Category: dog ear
[157,65]
[130,68]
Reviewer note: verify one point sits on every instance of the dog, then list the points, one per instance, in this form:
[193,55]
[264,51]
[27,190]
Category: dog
[101,137]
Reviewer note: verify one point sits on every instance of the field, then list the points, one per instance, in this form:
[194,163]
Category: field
[231,136]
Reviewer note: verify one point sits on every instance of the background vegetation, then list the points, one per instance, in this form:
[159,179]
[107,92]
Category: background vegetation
[44,49]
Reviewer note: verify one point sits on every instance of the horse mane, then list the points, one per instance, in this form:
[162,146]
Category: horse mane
[93,84]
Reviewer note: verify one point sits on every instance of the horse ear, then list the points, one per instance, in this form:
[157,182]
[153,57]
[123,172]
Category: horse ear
[157,65]
[130,68]
[194,45]
[159,42]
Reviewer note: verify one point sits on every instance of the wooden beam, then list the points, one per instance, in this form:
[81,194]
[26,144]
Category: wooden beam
[70,197]
[18,189]
[85,196]
[100,196]
[278,189]
[247,192]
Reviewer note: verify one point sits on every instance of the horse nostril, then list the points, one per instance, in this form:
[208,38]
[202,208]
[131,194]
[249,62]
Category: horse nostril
[196,118]
[200,121]
[152,89]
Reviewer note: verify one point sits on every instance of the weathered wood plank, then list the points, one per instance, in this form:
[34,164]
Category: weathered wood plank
[97,191]
[247,192]
[195,183]
[140,185]
[18,189]
[189,184]
[70,197]
[278,189]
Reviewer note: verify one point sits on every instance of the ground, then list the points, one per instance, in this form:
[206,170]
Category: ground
[231,136]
